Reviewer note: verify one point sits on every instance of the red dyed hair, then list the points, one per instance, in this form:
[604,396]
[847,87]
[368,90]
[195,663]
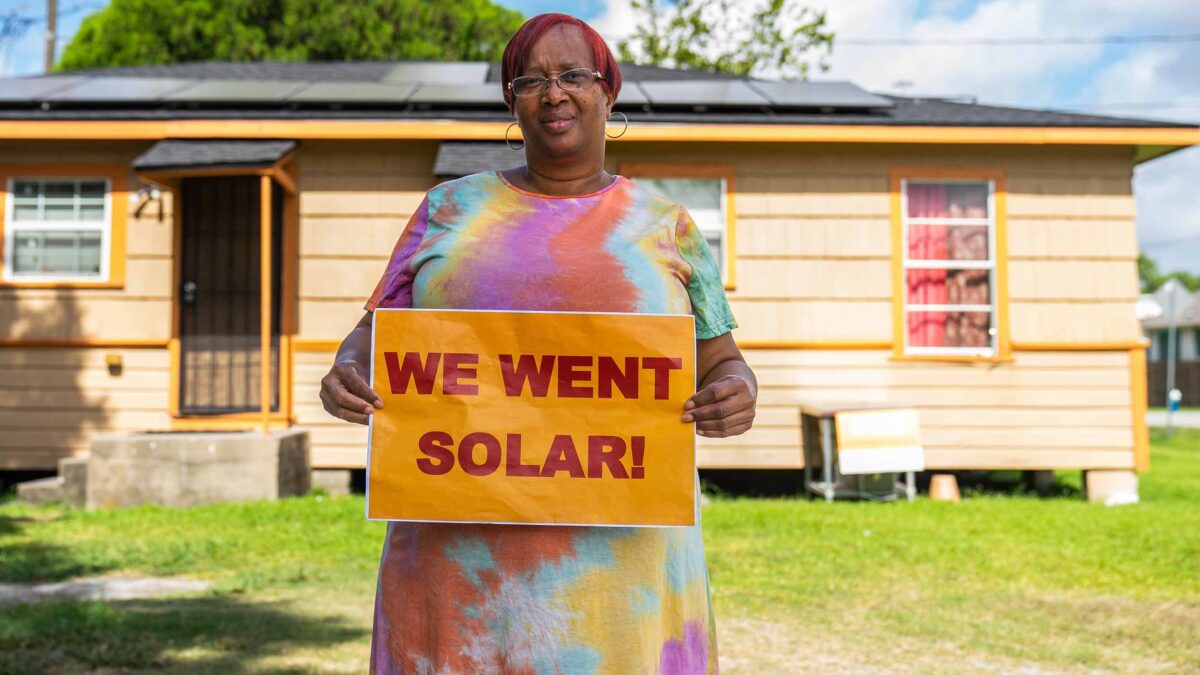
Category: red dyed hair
[516,53]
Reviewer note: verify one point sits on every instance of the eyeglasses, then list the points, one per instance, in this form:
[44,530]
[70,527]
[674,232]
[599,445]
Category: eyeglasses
[570,80]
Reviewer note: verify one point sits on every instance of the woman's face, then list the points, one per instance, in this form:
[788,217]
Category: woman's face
[560,123]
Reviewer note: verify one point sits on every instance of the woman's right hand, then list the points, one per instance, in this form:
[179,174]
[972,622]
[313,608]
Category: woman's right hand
[346,393]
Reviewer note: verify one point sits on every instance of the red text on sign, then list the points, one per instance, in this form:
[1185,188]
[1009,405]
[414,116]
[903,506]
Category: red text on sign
[481,454]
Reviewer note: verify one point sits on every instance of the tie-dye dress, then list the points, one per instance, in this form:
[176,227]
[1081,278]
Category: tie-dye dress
[455,598]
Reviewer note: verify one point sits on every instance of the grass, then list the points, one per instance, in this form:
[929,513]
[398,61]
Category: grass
[999,582]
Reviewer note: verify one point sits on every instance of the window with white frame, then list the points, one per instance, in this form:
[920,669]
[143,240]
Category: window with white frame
[57,229]
[949,267]
[704,199]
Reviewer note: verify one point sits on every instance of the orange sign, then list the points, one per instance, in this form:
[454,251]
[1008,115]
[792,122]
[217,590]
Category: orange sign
[532,417]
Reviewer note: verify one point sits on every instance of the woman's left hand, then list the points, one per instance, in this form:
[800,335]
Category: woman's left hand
[723,408]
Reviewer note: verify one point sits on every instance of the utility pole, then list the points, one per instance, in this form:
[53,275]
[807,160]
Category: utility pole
[1171,350]
[51,31]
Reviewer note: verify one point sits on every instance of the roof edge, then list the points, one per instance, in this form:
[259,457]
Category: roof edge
[1171,138]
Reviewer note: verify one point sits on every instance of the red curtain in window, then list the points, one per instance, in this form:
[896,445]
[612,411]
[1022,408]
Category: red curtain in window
[927,286]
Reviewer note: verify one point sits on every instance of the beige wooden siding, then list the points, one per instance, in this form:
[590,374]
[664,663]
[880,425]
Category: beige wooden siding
[1045,410]
[52,401]
[334,443]
[356,198]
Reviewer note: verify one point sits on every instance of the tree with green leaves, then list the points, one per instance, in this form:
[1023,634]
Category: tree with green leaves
[779,38]
[1152,279]
[154,32]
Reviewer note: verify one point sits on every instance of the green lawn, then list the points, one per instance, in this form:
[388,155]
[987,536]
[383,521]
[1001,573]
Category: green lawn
[998,582]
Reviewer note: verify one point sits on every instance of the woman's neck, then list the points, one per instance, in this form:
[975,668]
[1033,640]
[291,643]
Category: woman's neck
[560,181]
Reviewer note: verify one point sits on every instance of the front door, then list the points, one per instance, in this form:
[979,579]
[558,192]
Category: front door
[219,316]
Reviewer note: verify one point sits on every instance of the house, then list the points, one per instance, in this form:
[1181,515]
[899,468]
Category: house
[1173,298]
[169,230]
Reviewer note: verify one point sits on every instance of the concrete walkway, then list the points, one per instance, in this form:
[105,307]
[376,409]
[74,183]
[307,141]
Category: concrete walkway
[1184,418]
[96,589]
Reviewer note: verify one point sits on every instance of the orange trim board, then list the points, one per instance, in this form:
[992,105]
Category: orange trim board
[461,130]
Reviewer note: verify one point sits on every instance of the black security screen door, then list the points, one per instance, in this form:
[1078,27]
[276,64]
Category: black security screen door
[219,329]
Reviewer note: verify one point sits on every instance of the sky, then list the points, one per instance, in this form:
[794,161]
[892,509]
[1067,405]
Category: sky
[1152,79]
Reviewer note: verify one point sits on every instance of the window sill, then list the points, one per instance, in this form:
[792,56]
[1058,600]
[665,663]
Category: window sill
[233,422]
[62,284]
[952,358]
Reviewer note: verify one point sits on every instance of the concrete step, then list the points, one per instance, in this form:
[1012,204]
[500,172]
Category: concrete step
[73,471]
[41,491]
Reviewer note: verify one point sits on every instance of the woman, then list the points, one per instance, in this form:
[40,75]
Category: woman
[557,234]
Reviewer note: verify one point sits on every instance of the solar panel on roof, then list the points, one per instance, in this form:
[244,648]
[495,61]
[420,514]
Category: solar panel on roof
[631,94]
[33,88]
[703,92]
[820,95]
[439,72]
[353,92]
[469,94]
[237,91]
[129,89]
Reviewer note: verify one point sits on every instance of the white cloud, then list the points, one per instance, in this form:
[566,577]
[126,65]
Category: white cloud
[617,22]
[1168,210]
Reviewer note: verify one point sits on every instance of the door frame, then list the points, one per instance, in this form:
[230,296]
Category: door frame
[286,174]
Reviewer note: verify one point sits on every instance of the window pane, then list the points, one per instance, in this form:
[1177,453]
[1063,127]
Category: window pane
[60,189]
[27,253]
[947,200]
[58,209]
[25,200]
[949,329]
[91,189]
[948,242]
[694,193]
[25,189]
[91,200]
[57,252]
[949,287]
[25,211]
[710,221]
[89,253]
[91,211]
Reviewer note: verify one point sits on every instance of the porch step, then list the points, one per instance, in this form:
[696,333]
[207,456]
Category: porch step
[41,491]
[73,472]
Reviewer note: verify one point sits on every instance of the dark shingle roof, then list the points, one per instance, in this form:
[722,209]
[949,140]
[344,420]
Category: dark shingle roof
[396,90]
[461,159]
[175,153]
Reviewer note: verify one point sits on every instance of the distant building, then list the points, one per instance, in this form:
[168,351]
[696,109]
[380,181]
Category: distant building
[1187,324]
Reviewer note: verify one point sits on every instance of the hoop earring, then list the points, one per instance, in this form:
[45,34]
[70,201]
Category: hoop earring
[623,130]
[508,142]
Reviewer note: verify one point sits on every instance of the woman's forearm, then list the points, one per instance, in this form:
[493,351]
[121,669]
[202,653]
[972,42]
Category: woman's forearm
[731,366]
[356,348]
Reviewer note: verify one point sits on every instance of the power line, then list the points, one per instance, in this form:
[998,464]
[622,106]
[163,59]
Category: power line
[1020,41]
[1052,41]
[73,9]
